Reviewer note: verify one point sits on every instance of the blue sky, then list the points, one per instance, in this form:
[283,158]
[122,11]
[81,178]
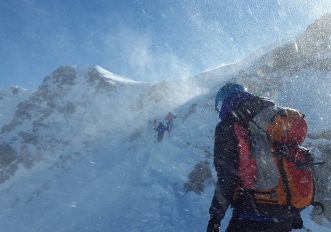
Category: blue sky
[147,40]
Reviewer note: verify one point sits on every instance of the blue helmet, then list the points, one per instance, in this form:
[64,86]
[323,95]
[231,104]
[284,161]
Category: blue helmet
[226,90]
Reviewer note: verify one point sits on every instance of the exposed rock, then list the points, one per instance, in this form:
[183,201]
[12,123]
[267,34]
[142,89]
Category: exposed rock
[322,135]
[68,109]
[136,134]
[7,155]
[94,78]
[28,137]
[199,177]
[190,111]
[62,76]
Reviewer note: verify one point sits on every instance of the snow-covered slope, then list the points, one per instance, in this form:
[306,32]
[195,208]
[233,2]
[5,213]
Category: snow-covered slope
[79,154]
[85,140]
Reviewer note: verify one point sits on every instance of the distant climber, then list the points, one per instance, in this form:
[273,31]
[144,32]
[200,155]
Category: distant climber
[154,124]
[160,129]
[170,121]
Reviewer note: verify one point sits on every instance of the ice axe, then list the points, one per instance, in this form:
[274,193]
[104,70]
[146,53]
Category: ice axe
[318,206]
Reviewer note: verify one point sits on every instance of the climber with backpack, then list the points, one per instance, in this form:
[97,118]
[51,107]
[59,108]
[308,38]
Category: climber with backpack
[170,121]
[160,129]
[263,172]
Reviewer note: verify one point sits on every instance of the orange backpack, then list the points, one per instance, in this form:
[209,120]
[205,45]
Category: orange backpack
[272,164]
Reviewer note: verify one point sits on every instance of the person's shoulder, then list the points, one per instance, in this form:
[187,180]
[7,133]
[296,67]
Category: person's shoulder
[258,101]
[265,100]
[225,124]
[251,107]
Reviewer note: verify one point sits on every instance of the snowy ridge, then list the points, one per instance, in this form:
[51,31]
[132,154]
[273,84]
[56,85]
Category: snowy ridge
[79,153]
[101,72]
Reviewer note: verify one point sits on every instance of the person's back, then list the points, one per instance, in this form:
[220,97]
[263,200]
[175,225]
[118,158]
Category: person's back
[160,131]
[170,121]
[235,171]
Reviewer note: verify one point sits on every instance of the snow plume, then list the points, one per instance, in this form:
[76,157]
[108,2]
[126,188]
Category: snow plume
[147,60]
[310,8]
[313,97]
[212,41]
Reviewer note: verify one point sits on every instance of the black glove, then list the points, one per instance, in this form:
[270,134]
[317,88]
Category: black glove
[213,225]
[297,222]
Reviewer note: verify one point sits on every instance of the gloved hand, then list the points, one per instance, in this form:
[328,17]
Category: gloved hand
[213,225]
[297,222]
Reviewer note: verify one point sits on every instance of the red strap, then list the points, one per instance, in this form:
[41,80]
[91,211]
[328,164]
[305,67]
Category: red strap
[247,163]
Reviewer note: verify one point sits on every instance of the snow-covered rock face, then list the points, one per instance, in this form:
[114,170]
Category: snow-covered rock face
[67,110]
[9,98]
[83,145]
[317,38]
[73,107]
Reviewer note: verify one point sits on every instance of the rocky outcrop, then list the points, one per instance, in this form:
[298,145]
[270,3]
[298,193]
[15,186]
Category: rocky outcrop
[8,161]
[200,176]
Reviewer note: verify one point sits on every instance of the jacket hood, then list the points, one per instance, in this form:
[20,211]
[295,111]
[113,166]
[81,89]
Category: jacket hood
[231,102]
